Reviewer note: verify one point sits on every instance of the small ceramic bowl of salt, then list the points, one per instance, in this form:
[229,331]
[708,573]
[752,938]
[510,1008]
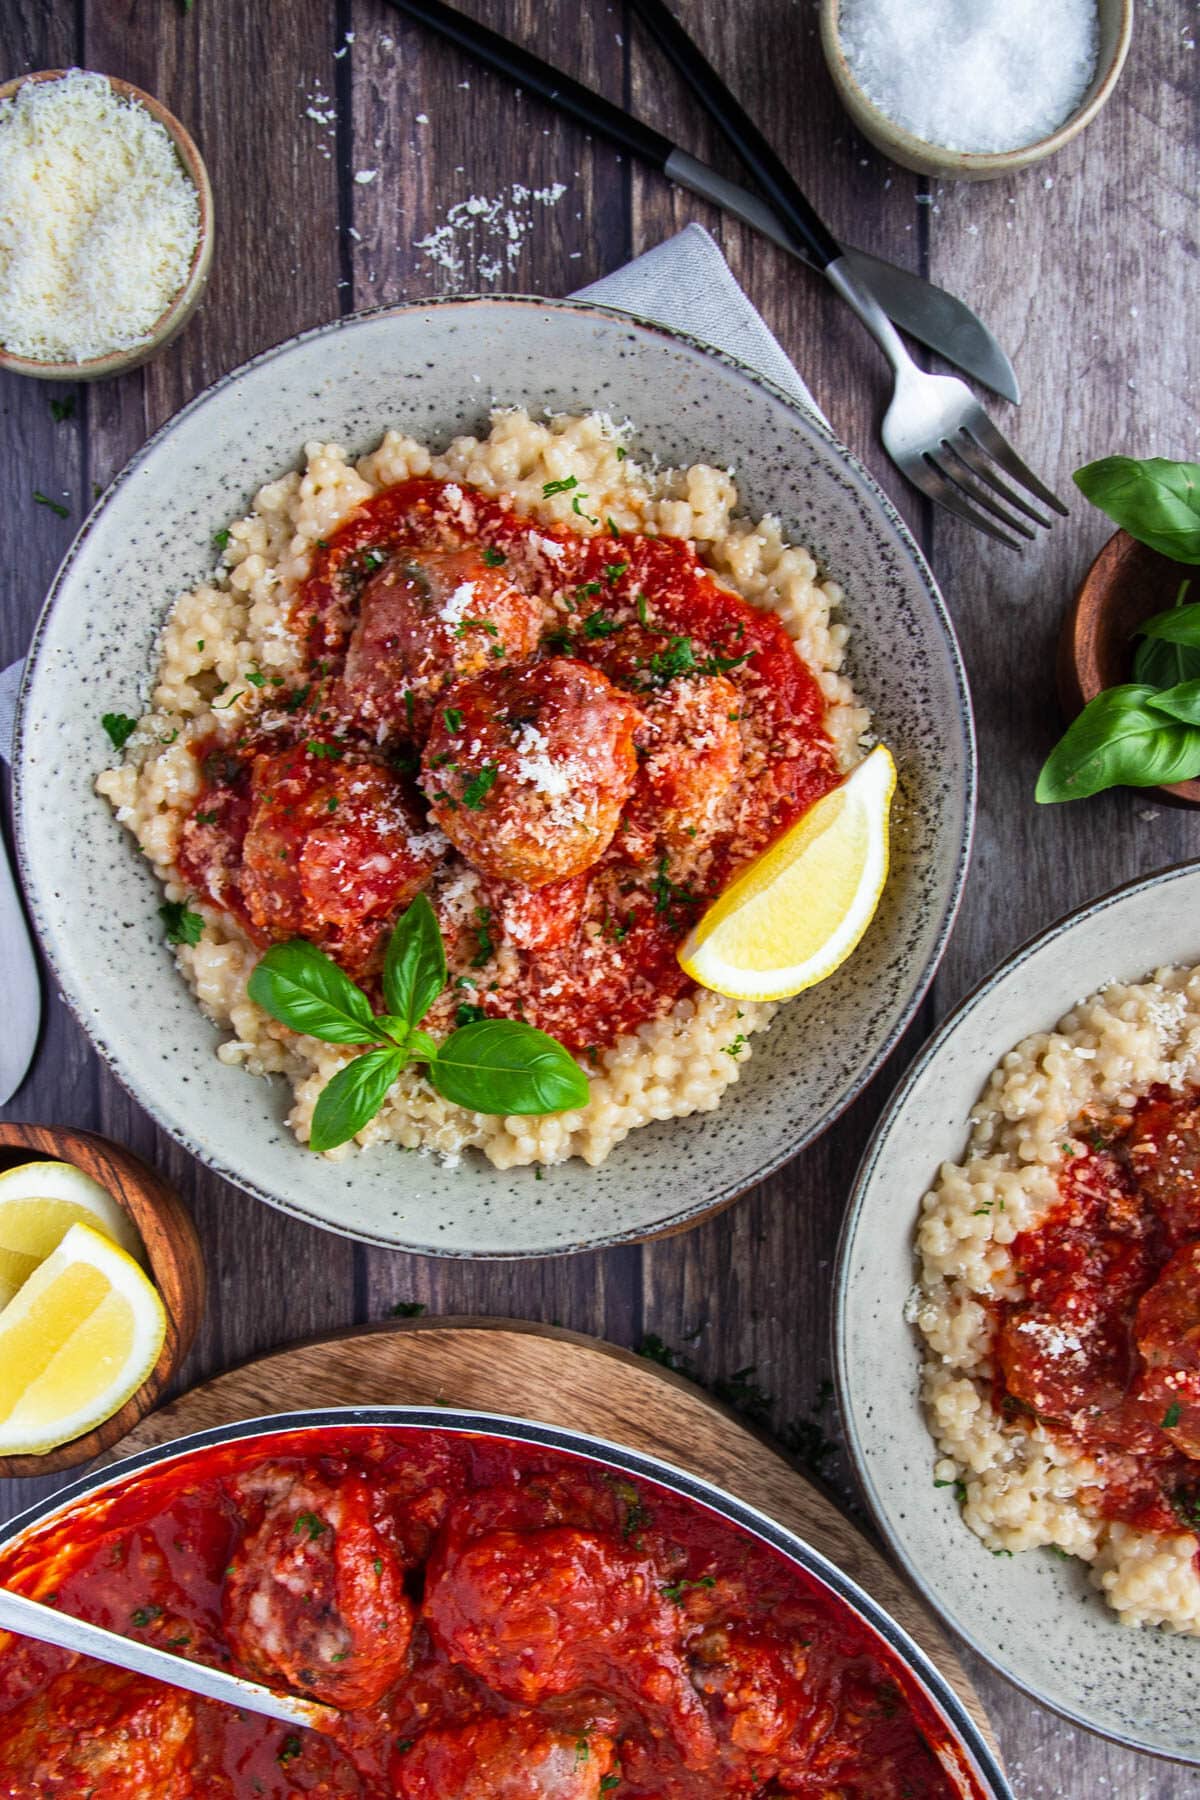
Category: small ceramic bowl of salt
[966,90]
[105,225]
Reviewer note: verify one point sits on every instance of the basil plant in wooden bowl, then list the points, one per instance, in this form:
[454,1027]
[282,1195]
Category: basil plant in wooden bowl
[1129,656]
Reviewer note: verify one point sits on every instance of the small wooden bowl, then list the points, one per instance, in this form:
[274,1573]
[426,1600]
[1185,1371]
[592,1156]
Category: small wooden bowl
[172,1251]
[1116,27]
[180,308]
[1127,584]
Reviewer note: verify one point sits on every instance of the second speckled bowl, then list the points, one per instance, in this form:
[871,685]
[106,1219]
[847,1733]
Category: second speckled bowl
[431,370]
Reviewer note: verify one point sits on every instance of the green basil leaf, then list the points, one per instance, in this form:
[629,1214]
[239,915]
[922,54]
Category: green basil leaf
[503,1066]
[1118,740]
[1155,501]
[1160,663]
[422,1048]
[414,969]
[301,987]
[354,1095]
[1179,626]
[1180,702]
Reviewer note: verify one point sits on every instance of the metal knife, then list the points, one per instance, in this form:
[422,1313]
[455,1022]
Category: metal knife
[20,993]
[926,312]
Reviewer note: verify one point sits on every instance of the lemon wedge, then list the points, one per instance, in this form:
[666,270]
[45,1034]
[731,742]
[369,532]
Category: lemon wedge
[796,913]
[39,1203]
[80,1337]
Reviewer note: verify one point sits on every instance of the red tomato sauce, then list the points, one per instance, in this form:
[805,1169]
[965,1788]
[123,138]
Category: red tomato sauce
[587,958]
[1104,1349]
[559,1632]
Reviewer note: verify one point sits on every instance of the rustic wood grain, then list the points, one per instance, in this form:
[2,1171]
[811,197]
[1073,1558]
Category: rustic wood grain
[173,1255]
[1055,270]
[556,1378]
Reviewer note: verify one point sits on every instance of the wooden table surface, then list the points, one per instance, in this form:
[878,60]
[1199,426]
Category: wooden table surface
[1085,267]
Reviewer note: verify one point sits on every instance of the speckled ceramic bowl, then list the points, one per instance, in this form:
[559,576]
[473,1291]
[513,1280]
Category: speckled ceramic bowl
[1034,1616]
[433,369]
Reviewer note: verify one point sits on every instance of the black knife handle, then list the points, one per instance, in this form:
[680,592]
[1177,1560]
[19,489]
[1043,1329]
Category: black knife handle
[768,169]
[540,78]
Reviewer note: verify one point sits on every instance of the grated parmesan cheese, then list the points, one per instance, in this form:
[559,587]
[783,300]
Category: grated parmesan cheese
[99,220]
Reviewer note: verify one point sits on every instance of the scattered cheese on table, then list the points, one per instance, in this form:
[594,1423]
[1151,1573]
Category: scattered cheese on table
[980,76]
[99,220]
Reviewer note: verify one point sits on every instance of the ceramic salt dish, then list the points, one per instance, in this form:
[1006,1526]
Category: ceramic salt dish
[1115,22]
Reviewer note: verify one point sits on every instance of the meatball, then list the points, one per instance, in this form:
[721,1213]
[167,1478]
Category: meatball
[538,919]
[541,1613]
[314,1595]
[425,621]
[519,1758]
[1165,1158]
[691,752]
[333,848]
[96,1730]
[1167,1331]
[754,1689]
[527,769]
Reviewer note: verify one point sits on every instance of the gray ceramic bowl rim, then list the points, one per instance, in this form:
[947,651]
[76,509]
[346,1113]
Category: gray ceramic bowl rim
[730,1191]
[693,1488]
[871,1157]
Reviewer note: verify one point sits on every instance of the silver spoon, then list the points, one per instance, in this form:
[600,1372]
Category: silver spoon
[29,1618]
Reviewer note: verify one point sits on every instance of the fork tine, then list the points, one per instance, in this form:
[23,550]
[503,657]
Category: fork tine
[977,497]
[988,438]
[925,474]
[964,447]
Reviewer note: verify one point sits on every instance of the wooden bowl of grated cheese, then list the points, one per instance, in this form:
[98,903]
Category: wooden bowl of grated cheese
[106,225]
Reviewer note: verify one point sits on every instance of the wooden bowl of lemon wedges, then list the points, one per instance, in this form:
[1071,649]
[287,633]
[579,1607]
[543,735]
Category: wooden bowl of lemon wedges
[101,1291]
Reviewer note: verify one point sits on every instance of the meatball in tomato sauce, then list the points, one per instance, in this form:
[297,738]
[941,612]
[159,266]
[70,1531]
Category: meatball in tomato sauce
[96,1730]
[314,1596]
[526,770]
[691,754]
[543,1613]
[427,620]
[521,1758]
[333,848]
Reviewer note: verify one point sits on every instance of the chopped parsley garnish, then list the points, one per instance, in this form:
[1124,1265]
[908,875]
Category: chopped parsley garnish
[295,700]
[226,704]
[550,488]
[454,720]
[614,530]
[309,1522]
[582,1750]
[668,893]
[483,937]
[622,453]
[600,624]
[643,609]
[403,1745]
[408,707]
[614,571]
[403,1309]
[145,1615]
[679,658]
[1172,1416]
[373,559]
[221,538]
[178,1643]
[377,1564]
[736,1047]
[960,1489]
[608,1782]
[331,805]
[290,1748]
[465,625]
[180,924]
[325,752]
[119,726]
[494,559]
[677,1589]
[654,1350]
[256,678]
[466,1014]
[480,786]
[721,665]
[61,410]
[206,818]
[55,507]
[578,510]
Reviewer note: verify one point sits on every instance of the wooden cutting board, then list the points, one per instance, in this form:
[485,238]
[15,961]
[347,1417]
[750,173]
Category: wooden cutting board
[556,1378]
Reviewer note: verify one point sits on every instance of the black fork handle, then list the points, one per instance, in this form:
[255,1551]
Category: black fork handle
[760,158]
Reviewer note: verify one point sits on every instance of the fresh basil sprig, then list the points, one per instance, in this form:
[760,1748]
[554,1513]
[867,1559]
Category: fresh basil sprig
[490,1066]
[1155,501]
[1125,737]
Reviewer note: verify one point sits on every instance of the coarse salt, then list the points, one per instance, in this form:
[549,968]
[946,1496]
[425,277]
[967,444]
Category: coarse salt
[99,220]
[981,76]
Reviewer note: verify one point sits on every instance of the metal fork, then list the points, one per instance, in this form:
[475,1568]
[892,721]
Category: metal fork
[937,433]
[934,430]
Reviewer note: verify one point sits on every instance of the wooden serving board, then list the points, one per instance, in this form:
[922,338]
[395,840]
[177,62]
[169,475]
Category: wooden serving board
[556,1378]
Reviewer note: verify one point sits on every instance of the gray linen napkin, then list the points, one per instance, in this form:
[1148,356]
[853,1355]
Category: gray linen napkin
[685,283]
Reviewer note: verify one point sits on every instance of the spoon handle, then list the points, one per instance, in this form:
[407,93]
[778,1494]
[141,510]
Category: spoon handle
[31,1619]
